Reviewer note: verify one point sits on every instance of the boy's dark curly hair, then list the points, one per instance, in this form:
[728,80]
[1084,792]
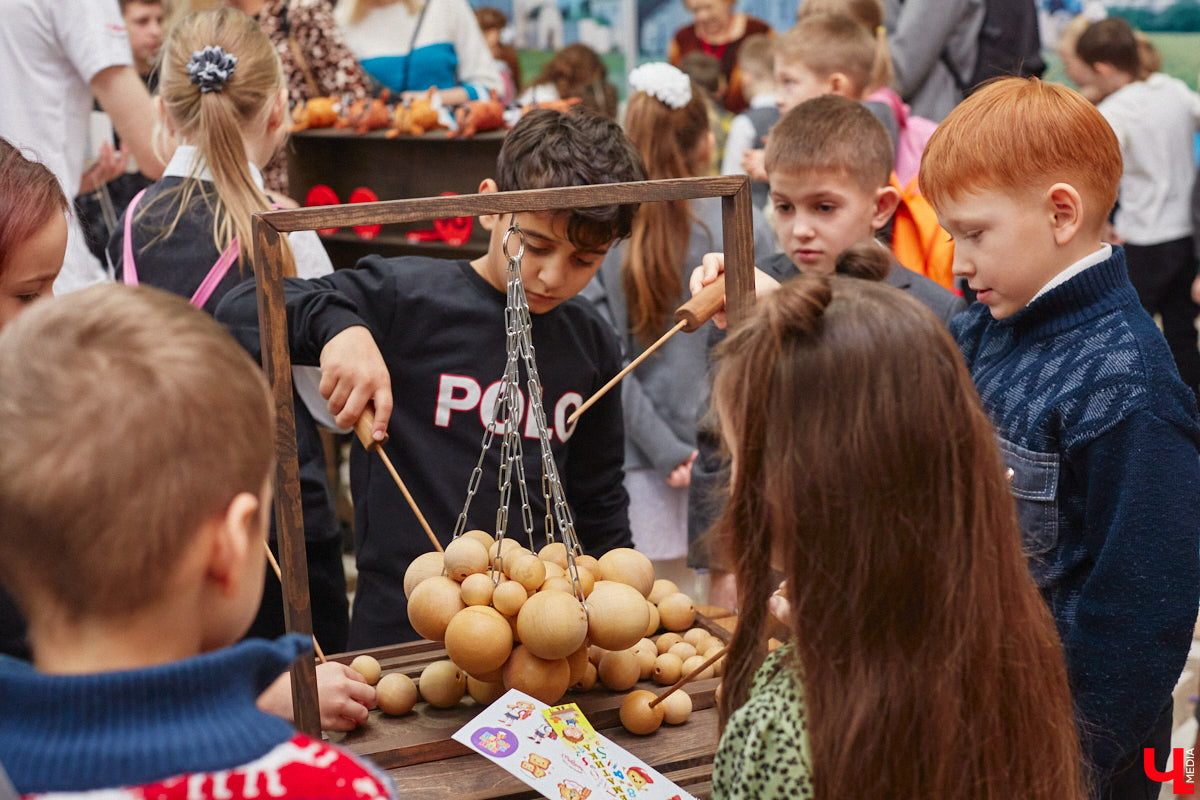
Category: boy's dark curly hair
[548,149]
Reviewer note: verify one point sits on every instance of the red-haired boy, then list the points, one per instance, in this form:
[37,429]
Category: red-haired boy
[1098,432]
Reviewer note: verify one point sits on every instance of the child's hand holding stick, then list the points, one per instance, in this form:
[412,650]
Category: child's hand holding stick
[353,375]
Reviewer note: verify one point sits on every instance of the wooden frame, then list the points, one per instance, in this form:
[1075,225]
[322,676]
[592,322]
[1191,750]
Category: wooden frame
[736,224]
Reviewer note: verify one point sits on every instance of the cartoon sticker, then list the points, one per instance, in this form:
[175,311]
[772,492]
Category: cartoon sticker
[497,742]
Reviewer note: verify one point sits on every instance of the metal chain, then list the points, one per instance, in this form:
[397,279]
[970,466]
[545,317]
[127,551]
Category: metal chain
[519,350]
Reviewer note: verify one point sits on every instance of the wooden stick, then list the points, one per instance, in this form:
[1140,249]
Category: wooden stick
[363,427]
[279,575]
[708,662]
[688,317]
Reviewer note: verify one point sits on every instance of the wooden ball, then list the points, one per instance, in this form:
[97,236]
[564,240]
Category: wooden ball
[668,668]
[483,537]
[676,611]
[509,597]
[544,679]
[661,588]
[653,625]
[477,589]
[479,639]
[396,694]
[588,680]
[617,617]
[465,557]
[578,662]
[527,570]
[667,641]
[638,716]
[646,654]
[554,570]
[587,580]
[555,553]
[693,663]
[558,584]
[432,604]
[589,563]
[683,650]
[628,566]
[552,625]
[595,653]
[506,548]
[695,636]
[677,707]
[368,667]
[442,684]
[423,566]
[712,644]
[619,670]
[484,692]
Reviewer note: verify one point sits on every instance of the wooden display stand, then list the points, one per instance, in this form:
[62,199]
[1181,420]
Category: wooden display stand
[407,166]
[268,259]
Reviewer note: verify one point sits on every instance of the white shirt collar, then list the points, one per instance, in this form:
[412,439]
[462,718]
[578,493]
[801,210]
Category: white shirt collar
[1103,254]
[187,161]
[763,100]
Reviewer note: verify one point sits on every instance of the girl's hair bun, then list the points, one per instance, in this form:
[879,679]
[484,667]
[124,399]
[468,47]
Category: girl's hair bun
[867,259]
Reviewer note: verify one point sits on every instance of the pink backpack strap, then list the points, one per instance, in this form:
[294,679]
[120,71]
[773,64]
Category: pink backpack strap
[128,268]
[214,276]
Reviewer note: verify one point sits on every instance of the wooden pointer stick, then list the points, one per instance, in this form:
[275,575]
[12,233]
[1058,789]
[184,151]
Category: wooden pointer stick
[363,428]
[279,575]
[688,317]
[708,662]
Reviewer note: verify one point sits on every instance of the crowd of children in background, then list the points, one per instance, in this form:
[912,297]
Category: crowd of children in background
[980,522]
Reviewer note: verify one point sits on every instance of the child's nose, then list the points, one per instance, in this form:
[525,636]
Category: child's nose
[961,266]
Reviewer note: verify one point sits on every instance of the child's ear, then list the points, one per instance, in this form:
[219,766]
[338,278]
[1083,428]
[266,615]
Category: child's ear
[1065,207]
[887,198]
[840,84]
[235,539]
[488,221]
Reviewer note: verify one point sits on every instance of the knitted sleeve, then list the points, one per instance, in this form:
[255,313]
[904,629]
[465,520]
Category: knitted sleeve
[1127,632]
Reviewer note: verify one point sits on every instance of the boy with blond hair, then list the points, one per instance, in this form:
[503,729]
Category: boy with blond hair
[1098,432]
[828,162]
[135,549]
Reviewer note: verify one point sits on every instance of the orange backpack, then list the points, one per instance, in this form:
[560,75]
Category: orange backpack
[918,241]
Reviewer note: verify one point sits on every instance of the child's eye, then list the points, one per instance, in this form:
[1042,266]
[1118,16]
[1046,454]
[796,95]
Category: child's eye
[584,263]
[826,208]
[29,298]
[541,251]
[783,208]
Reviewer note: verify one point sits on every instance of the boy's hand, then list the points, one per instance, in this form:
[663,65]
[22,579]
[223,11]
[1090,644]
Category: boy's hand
[345,697]
[681,476]
[353,374]
[754,162]
[711,267]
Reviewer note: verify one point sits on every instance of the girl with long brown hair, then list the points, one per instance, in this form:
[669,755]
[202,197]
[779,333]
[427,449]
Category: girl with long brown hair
[922,663]
[639,286]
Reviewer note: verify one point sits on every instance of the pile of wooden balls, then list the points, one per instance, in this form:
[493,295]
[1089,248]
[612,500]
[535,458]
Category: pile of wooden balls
[527,629]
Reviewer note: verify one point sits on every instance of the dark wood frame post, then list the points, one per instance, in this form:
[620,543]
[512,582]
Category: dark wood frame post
[734,191]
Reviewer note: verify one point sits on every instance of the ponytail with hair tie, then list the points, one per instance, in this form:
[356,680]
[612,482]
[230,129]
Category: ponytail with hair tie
[867,259]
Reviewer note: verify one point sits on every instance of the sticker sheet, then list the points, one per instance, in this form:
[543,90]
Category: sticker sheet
[555,750]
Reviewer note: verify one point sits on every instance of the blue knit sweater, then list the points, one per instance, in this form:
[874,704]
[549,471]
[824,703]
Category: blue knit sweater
[1103,439]
[190,723]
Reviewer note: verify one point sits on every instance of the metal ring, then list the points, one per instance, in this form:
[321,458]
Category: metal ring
[504,244]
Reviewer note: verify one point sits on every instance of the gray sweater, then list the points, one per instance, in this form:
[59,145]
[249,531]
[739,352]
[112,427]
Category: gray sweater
[663,394]
[920,34]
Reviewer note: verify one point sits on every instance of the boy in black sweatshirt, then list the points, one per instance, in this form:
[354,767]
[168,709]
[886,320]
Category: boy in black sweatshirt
[429,335]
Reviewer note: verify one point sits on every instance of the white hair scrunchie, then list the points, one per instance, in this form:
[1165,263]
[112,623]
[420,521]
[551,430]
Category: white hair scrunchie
[665,83]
